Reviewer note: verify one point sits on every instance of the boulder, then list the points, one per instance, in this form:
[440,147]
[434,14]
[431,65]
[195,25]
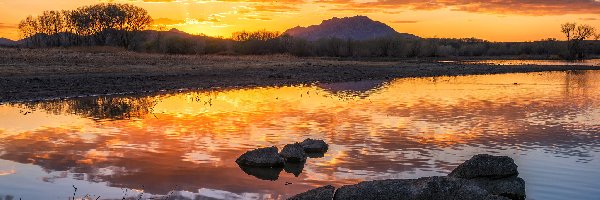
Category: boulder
[314,146]
[262,157]
[511,187]
[486,166]
[322,193]
[293,153]
[436,187]
[496,174]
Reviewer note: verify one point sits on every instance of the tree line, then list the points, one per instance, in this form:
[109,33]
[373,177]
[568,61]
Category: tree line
[99,24]
[127,26]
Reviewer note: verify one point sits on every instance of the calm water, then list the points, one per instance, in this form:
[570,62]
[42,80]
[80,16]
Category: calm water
[184,144]
[590,62]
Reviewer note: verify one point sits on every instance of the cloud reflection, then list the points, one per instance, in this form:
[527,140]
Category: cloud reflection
[187,141]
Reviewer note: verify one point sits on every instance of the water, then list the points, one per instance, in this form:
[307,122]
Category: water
[590,62]
[184,144]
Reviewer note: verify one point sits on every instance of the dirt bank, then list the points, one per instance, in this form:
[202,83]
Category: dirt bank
[29,74]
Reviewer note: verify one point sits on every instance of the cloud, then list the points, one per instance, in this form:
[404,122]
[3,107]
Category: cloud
[405,22]
[274,8]
[168,21]
[519,7]
[256,18]
[7,26]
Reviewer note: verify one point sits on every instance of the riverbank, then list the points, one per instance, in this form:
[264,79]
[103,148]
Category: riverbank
[31,74]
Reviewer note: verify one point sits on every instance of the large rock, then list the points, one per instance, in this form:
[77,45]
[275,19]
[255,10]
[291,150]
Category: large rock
[262,157]
[443,188]
[486,166]
[314,146]
[293,153]
[496,174]
[322,193]
[511,187]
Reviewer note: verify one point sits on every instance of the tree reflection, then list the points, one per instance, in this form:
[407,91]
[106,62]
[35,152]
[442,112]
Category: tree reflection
[99,108]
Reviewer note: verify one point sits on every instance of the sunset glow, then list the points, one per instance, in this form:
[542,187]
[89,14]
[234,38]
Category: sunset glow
[515,20]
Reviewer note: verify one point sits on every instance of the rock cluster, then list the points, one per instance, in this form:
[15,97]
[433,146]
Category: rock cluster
[481,177]
[267,163]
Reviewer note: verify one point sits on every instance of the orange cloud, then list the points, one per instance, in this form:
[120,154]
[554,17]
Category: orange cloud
[7,26]
[520,7]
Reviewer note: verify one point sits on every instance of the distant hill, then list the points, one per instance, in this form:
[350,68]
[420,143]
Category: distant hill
[7,42]
[356,28]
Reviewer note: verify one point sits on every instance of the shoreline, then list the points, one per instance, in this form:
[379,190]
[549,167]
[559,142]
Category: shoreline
[41,74]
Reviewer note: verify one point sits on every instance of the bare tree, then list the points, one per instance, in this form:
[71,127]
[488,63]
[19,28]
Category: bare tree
[576,36]
[568,29]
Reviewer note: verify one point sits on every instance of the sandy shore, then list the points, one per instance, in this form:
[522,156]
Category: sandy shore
[31,74]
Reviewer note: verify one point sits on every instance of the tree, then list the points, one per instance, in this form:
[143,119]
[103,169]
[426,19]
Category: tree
[568,29]
[101,24]
[576,36]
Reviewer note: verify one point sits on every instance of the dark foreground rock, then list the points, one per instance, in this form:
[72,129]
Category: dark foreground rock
[511,187]
[314,146]
[322,193]
[442,188]
[496,174]
[488,166]
[262,157]
[481,177]
[293,153]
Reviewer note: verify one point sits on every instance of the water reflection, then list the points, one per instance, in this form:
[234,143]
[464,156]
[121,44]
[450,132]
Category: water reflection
[186,143]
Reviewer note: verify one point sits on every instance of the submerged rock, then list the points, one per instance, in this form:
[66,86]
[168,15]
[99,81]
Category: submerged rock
[322,193]
[436,187]
[262,157]
[294,168]
[263,173]
[314,146]
[293,153]
[487,166]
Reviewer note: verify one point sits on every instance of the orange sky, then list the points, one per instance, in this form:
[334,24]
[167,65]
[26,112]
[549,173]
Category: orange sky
[496,20]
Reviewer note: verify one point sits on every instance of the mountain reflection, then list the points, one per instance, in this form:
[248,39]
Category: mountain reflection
[188,141]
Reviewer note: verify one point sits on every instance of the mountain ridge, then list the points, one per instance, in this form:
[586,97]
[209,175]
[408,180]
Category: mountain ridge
[7,42]
[356,28]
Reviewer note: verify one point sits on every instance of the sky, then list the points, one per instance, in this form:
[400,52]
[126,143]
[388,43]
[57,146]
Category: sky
[494,20]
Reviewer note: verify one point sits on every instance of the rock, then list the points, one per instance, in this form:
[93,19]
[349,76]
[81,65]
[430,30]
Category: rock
[262,157]
[314,146]
[511,187]
[264,173]
[442,188]
[293,153]
[322,193]
[487,166]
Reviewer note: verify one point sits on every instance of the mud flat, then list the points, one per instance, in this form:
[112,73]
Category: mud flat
[32,74]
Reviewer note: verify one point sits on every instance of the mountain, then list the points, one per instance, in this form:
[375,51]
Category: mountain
[7,42]
[356,28]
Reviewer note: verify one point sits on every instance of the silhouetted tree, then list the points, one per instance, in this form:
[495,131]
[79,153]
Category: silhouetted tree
[576,36]
[99,24]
